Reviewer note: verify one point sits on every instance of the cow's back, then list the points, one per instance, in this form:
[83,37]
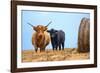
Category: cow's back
[61,36]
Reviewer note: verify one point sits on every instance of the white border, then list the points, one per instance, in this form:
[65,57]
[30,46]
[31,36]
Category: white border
[56,63]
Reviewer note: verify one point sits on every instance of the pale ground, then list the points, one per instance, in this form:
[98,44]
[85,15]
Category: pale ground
[50,55]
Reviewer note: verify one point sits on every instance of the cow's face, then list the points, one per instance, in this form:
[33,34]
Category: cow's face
[40,30]
[52,33]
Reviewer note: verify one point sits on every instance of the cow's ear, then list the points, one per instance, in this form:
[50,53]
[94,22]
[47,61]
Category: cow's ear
[48,31]
[56,31]
[45,28]
[34,28]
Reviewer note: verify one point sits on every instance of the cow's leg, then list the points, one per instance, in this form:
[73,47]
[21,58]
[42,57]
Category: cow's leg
[36,49]
[59,46]
[53,47]
[63,46]
[56,46]
[42,49]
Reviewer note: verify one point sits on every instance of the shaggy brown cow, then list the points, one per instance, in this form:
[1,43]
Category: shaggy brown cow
[41,38]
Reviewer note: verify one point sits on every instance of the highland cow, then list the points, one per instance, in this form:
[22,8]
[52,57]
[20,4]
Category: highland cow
[40,38]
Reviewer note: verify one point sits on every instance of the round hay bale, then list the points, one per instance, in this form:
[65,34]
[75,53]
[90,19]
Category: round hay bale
[84,35]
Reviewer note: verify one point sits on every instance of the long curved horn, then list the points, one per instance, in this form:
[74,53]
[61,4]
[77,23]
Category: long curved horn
[48,24]
[31,25]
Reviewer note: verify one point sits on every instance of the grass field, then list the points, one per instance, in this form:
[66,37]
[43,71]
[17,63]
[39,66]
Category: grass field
[50,55]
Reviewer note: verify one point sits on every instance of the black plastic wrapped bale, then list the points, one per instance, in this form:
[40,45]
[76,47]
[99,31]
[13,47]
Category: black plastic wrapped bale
[84,35]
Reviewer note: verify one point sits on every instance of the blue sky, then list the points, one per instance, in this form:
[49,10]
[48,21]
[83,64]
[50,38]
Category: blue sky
[67,21]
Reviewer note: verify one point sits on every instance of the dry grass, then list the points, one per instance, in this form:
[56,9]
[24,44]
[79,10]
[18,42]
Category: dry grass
[50,55]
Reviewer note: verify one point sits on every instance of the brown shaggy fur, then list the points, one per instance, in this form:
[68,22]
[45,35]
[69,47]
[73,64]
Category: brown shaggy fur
[40,38]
